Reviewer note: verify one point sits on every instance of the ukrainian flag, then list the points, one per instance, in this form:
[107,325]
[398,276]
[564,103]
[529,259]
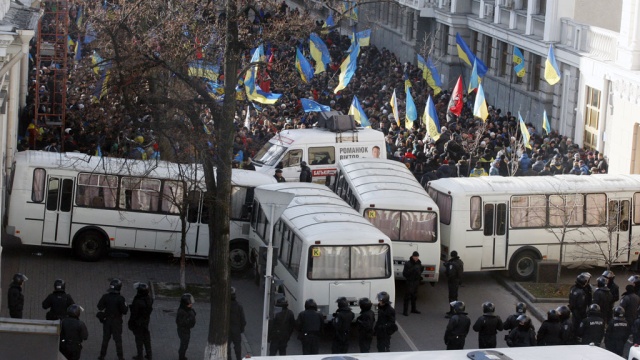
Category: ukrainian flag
[545,123]
[199,69]
[551,69]
[253,90]
[431,120]
[70,41]
[319,52]
[480,105]
[411,113]
[394,107]
[358,114]
[430,74]
[351,8]
[303,66]
[518,62]
[364,37]
[466,55]
[475,80]
[525,132]
[348,68]
[78,50]
[96,60]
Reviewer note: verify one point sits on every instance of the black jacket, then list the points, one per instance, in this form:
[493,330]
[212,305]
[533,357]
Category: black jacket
[309,322]
[15,298]
[458,326]
[521,337]
[602,297]
[57,302]
[114,305]
[630,302]
[237,322]
[305,174]
[185,319]
[365,322]
[412,272]
[73,330]
[578,302]
[342,323]
[141,309]
[488,325]
[282,325]
[454,269]
[550,333]
[617,335]
[591,329]
[386,319]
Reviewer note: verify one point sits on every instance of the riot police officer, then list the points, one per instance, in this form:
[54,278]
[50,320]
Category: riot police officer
[185,321]
[454,269]
[618,332]
[587,287]
[412,273]
[591,328]
[630,302]
[342,319]
[487,326]
[635,280]
[73,332]
[523,335]
[114,306]
[602,297]
[550,332]
[309,324]
[281,328]
[512,320]
[141,308]
[578,300]
[567,334]
[58,301]
[365,322]
[15,297]
[613,287]
[386,324]
[236,326]
[457,328]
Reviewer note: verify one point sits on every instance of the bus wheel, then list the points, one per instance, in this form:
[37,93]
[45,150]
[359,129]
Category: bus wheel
[523,266]
[239,257]
[90,245]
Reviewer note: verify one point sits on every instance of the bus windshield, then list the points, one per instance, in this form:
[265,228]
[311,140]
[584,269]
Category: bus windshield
[349,262]
[269,154]
[410,226]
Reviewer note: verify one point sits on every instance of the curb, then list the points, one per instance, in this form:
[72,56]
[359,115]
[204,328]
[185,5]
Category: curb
[510,285]
[536,299]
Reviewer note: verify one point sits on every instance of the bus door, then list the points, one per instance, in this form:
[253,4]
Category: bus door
[197,225]
[619,220]
[57,213]
[494,244]
[291,165]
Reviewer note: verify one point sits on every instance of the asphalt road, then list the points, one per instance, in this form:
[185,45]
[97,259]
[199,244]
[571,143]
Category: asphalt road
[88,281]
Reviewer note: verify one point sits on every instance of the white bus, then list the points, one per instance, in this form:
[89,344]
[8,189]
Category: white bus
[387,194]
[565,352]
[497,223]
[321,149]
[325,249]
[92,204]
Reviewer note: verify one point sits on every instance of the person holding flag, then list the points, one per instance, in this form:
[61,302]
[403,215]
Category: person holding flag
[431,120]
[411,113]
[545,123]
[456,101]
[394,107]
[525,132]
[358,114]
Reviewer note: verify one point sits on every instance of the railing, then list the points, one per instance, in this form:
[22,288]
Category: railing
[598,42]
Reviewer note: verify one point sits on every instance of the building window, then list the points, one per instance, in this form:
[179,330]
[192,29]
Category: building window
[524,4]
[409,25]
[591,118]
[503,55]
[487,49]
[542,7]
[475,42]
[444,39]
[536,65]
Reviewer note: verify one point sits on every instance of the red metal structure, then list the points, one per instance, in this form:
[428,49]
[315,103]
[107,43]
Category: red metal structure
[52,51]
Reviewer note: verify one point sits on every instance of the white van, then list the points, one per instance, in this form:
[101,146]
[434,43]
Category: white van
[320,149]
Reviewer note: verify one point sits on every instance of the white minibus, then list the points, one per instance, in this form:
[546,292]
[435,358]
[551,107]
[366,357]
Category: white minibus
[325,249]
[388,195]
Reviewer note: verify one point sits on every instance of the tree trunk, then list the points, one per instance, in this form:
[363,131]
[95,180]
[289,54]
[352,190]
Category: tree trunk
[219,196]
[183,246]
[559,271]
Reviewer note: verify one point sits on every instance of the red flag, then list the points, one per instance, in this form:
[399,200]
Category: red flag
[456,101]
[270,64]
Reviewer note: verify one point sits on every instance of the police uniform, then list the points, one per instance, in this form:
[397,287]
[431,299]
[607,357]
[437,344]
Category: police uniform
[141,308]
[578,305]
[412,273]
[591,329]
[309,324]
[280,330]
[365,322]
[602,296]
[236,327]
[457,330]
[550,333]
[521,336]
[114,306]
[617,335]
[58,302]
[454,269]
[185,321]
[386,320]
[487,327]
[72,333]
[15,300]
[342,326]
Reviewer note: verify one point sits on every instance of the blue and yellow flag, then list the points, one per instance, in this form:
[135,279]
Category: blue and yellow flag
[330,21]
[411,113]
[309,105]
[351,9]
[431,120]
[364,37]
[348,68]
[394,107]
[79,17]
[78,51]
[524,131]
[430,74]
[474,80]
[70,41]
[551,69]
[96,60]
[358,114]
[319,52]
[465,54]
[201,69]
[253,90]
[518,62]
[480,105]
[303,66]
[545,123]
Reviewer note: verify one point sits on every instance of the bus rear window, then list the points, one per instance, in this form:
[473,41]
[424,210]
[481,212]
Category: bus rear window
[444,205]
[411,226]
[349,262]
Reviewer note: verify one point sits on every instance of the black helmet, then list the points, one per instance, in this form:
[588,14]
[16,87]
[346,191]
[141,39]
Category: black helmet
[634,279]
[564,312]
[609,274]
[342,303]
[521,308]
[618,311]
[582,280]
[457,306]
[524,320]
[587,275]
[282,302]
[602,281]
[454,254]
[186,299]
[74,310]
[383,297]
[115,285]
[365,304]
[488,308]
[19,278]
[59,285]
[303,163]
[310,304]
[142,288]
[594,308]
[553,315]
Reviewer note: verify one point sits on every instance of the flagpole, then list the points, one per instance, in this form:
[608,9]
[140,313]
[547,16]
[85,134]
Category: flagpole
[510,89]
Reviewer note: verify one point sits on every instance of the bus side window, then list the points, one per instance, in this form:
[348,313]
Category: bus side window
[292,158]
[37,186]
[475,213]
[52,194]
[322,155]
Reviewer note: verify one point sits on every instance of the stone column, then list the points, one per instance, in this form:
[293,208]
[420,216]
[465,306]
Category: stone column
[628,50]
